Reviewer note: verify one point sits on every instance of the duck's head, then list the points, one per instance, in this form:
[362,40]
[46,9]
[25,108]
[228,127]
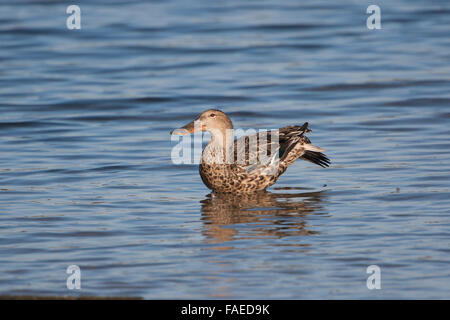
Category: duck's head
[211,120]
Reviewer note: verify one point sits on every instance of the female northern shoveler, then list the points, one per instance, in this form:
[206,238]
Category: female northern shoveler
[250,163]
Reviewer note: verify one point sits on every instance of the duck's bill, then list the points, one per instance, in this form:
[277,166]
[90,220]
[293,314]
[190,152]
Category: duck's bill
[191,127]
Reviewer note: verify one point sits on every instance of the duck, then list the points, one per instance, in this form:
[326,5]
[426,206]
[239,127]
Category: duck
[251,163]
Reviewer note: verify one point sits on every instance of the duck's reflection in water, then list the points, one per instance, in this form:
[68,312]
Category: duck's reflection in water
[267,214]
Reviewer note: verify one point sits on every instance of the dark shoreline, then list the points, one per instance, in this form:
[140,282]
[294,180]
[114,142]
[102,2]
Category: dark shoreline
[32,297]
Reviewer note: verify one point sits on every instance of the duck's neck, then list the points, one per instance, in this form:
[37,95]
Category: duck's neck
[220,149]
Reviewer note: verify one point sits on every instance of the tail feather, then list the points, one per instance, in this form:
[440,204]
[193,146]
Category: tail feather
[317,158]
[310,147]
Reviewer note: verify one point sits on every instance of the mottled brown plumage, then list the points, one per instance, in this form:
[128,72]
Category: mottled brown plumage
[250,163]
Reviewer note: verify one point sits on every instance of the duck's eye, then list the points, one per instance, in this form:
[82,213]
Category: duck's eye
[212,115]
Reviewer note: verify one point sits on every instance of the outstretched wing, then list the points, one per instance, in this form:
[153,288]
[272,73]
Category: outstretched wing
[266,148]
[289,137]
[294,137]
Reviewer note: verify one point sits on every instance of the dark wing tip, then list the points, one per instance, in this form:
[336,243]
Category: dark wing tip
[305,128]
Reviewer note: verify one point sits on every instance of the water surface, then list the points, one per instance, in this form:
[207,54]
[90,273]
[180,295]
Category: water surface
[86,176]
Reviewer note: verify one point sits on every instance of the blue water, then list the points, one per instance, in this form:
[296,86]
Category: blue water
[86,176]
